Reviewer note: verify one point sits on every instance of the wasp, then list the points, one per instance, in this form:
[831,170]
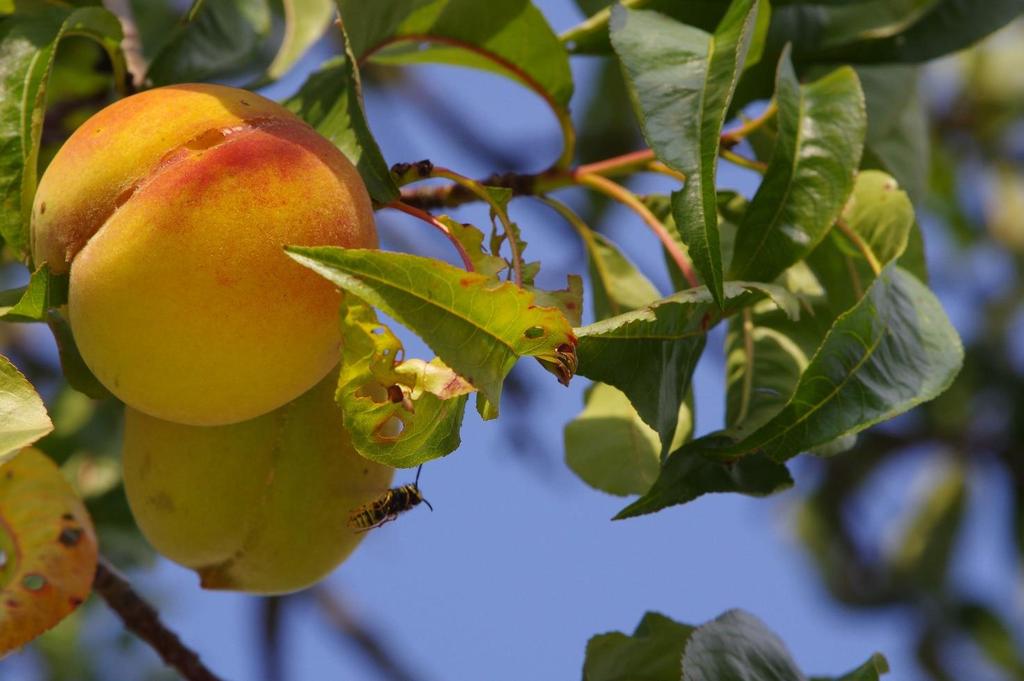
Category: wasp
[387,506]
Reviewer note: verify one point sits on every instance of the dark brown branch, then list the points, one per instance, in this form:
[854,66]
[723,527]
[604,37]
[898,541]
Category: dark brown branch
[354,632]
[141,619]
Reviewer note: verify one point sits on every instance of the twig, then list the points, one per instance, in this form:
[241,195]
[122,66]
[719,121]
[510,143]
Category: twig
[436,224]
[271,639]
[499,210]
[744,162]
[140,618]
[861,245]
[535,184]
[627,198]
[350,628]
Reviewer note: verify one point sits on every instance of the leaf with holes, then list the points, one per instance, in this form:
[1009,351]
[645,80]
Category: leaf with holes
[399,412]
[331,100]
[894,350]
[23,418]
[477,326]
[28,42]
[48,548]
[810,176]
[682,81]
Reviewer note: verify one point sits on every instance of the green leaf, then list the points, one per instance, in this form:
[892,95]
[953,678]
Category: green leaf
[881,215]
[922,557]
[650,353]
[591,36]
[810,176]
[28,42]
[477,326]
[992,637]
[23,418]
[897,138]
[512,37]
[400,413]
[894,350]
[617,285]
[216,39]
[872,670]
[610,447]
[763,365]
[331,101]
[737,646]
[682,81]
[948,26]
[304,23]
[653,653]
[44,291]
[78,375]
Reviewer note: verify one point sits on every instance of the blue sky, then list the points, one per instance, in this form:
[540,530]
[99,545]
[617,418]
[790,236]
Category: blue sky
[519,564]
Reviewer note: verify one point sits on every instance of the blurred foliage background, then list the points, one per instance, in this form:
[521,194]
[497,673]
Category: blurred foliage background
[961,127]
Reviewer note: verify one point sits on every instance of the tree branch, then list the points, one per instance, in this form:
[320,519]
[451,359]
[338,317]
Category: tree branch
[140,618]
[350,628]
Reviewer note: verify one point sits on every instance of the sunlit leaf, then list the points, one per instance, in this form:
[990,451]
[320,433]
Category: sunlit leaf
[880,214]
[331,101]
[610,447]
[44,291]
[399,412]
[23,418]
[28,42]
[682,81]
[817,150]
[47,548]
[304,22]
[477,326]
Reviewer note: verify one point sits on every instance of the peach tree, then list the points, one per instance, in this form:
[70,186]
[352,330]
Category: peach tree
[818,276]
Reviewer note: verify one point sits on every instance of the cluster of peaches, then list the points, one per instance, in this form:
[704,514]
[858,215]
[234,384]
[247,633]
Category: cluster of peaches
[169,211]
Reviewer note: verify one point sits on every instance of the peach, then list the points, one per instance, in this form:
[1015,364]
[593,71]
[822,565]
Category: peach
[259,506]
[170,208]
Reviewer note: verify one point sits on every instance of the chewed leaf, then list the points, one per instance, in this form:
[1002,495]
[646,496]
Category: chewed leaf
[23,418]
[477,326]
[569,299]
[472,239]
[399,413]
[47,549]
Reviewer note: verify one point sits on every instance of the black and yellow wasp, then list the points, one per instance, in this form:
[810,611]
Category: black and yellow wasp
[387,506]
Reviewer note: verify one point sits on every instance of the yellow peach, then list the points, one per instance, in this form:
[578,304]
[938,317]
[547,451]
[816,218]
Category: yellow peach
[259,506]
[171,208]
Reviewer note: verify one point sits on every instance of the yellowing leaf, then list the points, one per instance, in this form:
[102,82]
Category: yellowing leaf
[23,418]
[48,548]
[399,412]
[477,326]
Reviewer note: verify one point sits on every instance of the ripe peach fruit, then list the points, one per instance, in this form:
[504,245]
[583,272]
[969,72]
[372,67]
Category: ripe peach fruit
[259,506]
[171,208]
